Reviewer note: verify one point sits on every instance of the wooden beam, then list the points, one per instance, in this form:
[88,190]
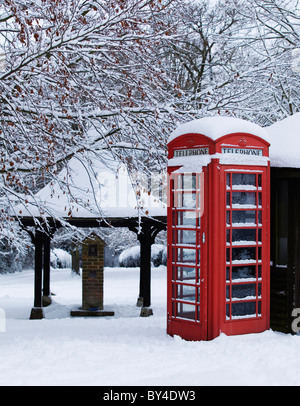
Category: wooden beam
[95,222]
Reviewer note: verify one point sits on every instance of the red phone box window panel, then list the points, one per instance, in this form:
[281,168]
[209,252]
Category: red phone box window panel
[218,229]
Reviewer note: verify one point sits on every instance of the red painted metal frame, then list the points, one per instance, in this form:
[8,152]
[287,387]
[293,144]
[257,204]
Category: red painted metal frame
[196,328]
[213,250]
[261,320]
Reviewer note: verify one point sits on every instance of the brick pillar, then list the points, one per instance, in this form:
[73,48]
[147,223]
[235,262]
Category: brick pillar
[92,273]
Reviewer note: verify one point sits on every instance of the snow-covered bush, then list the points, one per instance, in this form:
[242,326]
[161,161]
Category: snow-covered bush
[9,262]
[60,259]
[158,255]
[131,256]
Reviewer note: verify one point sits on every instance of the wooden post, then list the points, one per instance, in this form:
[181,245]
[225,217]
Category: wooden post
[145,269]
[75,258]
[46,299]
[146,236]
[37,311]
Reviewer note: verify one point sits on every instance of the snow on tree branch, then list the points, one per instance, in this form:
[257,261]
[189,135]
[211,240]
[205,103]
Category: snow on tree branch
[72,66]
[79,77]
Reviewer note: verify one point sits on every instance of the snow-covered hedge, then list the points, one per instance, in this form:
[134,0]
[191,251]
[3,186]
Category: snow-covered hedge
[131,256]
[60,258]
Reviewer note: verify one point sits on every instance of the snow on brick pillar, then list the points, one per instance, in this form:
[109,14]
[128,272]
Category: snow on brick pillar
[92,273]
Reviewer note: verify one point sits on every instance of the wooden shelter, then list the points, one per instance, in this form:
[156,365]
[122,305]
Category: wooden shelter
[99,195]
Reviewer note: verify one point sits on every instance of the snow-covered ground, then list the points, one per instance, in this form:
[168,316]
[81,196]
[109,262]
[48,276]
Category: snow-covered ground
[127,349]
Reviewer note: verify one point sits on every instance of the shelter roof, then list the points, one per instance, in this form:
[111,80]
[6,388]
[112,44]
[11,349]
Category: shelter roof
[285,142]
[101,188]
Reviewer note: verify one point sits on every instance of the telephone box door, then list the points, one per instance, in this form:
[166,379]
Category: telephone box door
[245,300]
[187,260]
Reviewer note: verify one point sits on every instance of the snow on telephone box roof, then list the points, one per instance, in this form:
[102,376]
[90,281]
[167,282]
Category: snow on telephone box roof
[215,128]
[218,126]
[283,136]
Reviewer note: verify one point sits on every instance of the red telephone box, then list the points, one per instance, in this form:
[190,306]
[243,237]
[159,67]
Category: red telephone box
[218,229]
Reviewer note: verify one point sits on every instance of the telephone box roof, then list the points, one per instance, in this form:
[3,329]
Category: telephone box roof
[218,126]
[283,136]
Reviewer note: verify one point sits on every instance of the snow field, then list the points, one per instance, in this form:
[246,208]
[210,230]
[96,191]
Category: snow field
[126,349]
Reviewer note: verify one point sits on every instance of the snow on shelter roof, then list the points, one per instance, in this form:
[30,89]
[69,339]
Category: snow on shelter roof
[97,188]
[285,142]
[218,126]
